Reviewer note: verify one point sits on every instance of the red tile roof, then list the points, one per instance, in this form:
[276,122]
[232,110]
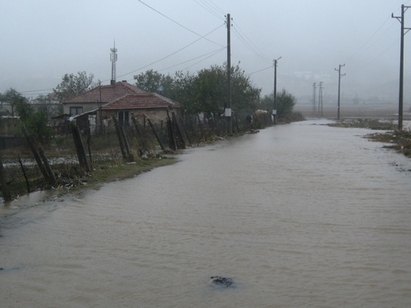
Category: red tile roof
[106,94]
[140,101]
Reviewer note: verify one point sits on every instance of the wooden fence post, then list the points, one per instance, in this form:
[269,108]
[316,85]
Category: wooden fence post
[125,150]
[171,135]
[155,134]
[126,144]
[50,173]
[185,131]
[119,137]
[24,174]
[202,133]
[81,153]
[35,154]
[179,136]
[141,136]
[4,186]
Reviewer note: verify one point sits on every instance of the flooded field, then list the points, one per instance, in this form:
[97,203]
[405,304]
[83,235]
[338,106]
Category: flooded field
[299,215]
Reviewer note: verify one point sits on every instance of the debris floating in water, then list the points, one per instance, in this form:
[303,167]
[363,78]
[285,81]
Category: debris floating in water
[221,281]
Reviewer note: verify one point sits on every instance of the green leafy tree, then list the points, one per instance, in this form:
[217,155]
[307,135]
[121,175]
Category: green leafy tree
[245,96]
[182,90]
[149,81]
[285,104]
[12,97]
[154,82]
[24,110]
[46,104]
[73,85]
[209,91]
[204,92]
[37,125]
[35,121]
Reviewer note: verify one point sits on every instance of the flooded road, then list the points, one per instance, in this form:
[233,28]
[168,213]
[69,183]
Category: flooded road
[300,215]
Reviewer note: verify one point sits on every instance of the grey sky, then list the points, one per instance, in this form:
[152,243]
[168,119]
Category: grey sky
[44,39]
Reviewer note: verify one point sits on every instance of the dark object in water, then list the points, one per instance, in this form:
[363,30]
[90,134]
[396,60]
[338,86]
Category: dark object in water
[221,281]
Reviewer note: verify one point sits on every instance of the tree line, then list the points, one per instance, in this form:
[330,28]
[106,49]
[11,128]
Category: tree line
[202,92]
[206,92]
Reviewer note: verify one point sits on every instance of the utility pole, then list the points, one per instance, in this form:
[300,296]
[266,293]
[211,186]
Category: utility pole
[339,88]
[314,103]
[227,110]
[320,99]
[275,90]
[401,90]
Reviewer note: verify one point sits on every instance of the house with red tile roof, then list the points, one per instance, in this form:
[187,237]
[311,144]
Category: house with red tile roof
[122,100]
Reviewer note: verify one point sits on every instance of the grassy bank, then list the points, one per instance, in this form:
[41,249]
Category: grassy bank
[70,177]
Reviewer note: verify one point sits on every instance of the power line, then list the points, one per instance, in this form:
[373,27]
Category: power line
[41,90]
[365,44]
[375,41]
[215,6]
[263,69]
[380,54]
[209,8]
[157,61]
[177,23]
[216,52]
[252,47]
[209,54]
[172,54]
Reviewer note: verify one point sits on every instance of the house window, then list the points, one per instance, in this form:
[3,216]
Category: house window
[76,110]
[124,118]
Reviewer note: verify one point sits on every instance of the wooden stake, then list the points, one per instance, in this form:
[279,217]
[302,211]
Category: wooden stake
[24,174]
[35,154]
[81,153]
[155,134]
[4,187]
[51,179]
[185,131]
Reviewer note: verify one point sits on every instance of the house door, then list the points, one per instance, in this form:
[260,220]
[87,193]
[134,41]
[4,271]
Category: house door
[124,118]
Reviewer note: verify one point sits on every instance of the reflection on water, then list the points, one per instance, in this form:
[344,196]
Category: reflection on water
[300,215]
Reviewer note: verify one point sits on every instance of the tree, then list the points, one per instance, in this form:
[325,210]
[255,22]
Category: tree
[209,91]
[245,96]
[73,85]
[285,104]
[37,125]
[183,90]
[35,121]
[154,82]
[204,92]
[149,81]
[24,109]
[48,105]
[12,97]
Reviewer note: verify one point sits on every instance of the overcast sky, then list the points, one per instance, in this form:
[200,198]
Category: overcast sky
[44,39]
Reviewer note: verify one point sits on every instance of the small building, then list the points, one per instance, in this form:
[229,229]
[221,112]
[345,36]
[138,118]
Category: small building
[94,108]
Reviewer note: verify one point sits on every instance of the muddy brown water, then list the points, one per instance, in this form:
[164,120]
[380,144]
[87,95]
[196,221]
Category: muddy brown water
[301,215]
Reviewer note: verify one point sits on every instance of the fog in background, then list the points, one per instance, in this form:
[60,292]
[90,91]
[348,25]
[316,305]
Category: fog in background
[42,40]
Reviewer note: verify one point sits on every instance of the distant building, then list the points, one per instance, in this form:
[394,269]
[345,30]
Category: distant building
[94,109]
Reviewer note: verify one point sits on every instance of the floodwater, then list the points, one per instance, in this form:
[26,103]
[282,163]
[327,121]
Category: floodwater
[300,215]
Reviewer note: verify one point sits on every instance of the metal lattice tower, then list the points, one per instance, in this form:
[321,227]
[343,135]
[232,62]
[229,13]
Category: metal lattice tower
[314,102]
[320,100]
[113,59]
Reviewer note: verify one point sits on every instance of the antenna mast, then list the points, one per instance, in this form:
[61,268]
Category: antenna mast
[113,59]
